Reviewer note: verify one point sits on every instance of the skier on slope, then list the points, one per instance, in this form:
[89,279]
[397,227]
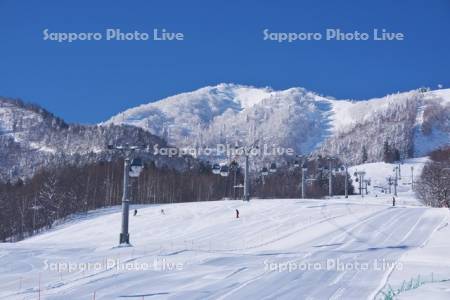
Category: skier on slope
[393,201]
[237,214]
[135,212]
[162,212]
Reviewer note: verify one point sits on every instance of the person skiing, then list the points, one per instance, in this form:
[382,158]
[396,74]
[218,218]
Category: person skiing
[135,212]
[162,212]
[237,214]
[393,201]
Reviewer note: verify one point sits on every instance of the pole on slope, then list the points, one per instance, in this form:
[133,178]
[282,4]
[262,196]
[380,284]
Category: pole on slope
[361,178]
[132,169]
[330,180]
[124,234]
[234,183]
[412,177]
[396,180]
[246,179]
[303,182]
[366,184]
[346,181]
[359,183]
[301,163]
[247,188]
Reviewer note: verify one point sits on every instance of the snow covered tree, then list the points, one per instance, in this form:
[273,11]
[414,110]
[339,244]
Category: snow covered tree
[433,187]
[386,152]
[364,154]
[396,155]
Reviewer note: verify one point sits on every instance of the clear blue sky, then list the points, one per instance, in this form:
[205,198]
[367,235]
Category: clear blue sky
[88,82]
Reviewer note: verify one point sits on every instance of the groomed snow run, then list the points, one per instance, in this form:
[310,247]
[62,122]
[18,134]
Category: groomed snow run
[337,248]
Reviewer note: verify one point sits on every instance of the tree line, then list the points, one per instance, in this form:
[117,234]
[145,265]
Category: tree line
[433,186]
[286,181]
[29,206]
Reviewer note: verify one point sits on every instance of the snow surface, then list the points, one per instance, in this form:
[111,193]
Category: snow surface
[427,267]
[422,272]
[277,249]
[379,172]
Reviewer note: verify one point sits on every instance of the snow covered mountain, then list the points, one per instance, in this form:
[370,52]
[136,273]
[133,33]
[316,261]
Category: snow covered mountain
[31,138]
[413,122]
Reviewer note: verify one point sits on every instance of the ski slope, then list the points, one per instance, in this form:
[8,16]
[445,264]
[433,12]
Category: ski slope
[378,172]
[277,249]
[336,248]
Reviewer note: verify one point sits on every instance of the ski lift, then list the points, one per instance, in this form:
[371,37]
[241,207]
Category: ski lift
[234,165]
[136,167]
[216,169]
[224,170]
[304,167]
[264,171]
[273,167]
[310,181]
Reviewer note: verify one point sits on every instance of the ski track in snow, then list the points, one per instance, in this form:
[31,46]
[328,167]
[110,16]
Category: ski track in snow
[222,257]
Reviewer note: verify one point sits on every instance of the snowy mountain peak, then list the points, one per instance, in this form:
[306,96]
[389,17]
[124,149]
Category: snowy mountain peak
[202,104]
[414,121]
[31,138]
[189,111]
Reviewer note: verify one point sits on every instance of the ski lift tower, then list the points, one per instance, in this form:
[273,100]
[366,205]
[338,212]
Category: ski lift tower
[131,168]
[330,160]
[246,151]
[304,169]
[396,170]
[360,178]
[344,168]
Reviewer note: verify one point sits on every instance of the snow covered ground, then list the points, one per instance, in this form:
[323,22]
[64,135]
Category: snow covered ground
[378,173]
[278,249]
[425,270]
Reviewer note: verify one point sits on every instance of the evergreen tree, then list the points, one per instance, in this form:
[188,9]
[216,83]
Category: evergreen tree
[390,154]
[364,154]
[396,155]
[386,152]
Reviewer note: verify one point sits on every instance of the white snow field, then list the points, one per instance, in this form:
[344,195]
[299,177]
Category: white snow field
[278,249]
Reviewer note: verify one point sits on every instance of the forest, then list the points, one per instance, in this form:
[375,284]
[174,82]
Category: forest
[433,187]
[31,205]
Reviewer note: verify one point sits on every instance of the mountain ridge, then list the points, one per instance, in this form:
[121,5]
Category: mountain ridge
[413,123]
[32,138]
[295,117]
